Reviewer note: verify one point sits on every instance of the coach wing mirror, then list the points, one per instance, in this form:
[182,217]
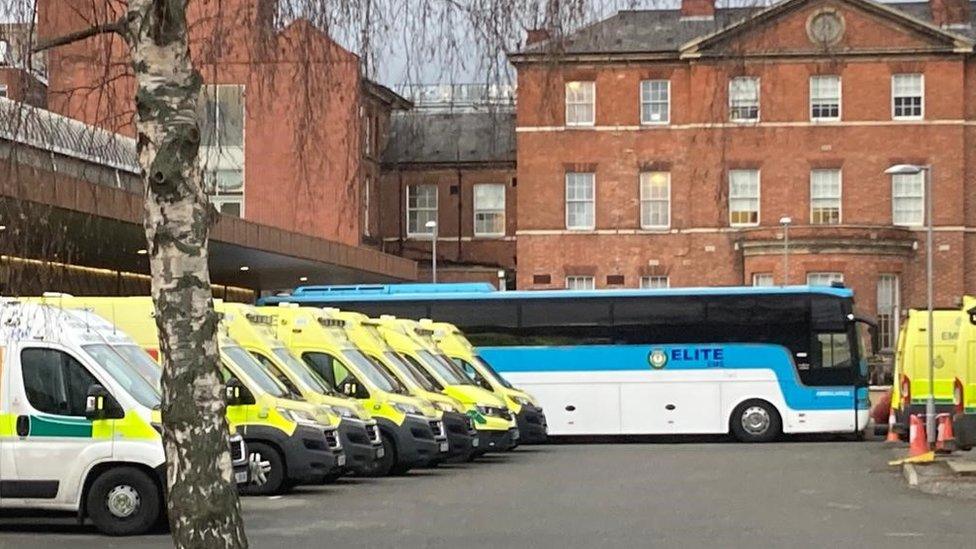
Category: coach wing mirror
[873,333]
[238,394]
[99,404]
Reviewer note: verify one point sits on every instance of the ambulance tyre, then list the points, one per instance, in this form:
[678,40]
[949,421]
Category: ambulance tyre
[124,501]
[756,421]
[276,482]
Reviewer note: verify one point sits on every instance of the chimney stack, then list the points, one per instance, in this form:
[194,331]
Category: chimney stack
[949,13]
[701,9]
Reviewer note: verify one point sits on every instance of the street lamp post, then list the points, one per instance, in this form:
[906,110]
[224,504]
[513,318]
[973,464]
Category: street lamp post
[786,221]
[912,169]
[432,225]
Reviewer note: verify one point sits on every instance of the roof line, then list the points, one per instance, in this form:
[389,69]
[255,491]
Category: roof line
[775,9]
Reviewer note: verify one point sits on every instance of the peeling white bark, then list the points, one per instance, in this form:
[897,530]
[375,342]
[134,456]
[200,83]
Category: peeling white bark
[202,502]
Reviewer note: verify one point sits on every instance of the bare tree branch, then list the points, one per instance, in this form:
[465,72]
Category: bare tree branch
[117,27]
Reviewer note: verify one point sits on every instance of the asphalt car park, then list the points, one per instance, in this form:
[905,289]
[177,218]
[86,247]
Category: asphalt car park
[689,493]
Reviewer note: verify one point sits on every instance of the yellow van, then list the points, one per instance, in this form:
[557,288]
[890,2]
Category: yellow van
[495,423]
[410,429]
[911,388]
[529,416]
[964,420]
[292,437]
[461,432]
[358,432]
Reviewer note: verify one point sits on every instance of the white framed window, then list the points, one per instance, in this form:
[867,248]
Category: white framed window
[824,279]
[743,198]
[3,90]
[421,208]
[907,96]
[228,204]
[580,201]
[580,283]
[580,103]
[489,209]
[655,97]
[744,99]
[825,98]
[908,199]
[762,279]
[825,197]
[656,281]
[221,155]
[889,305]
[655,200]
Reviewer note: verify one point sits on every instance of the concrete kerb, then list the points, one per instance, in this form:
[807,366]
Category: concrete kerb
[941,477]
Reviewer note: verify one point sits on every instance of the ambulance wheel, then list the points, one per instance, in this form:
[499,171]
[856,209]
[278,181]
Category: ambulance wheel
[384,465]
[124,501]
[276,482]
[756,421]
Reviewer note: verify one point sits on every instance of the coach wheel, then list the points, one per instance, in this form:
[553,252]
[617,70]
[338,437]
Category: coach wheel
[756,421]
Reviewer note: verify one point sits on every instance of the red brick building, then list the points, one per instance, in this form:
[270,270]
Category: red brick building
[452,161]
[292,127]
[664,147]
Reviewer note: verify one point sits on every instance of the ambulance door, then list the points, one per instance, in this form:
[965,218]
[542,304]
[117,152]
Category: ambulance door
[54,443]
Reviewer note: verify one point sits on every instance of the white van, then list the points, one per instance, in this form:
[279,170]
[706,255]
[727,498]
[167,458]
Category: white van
[79,427]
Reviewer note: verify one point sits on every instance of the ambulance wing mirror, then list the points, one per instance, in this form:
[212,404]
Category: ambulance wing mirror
[238,394]
[972,316]
[352,389]
[99,404]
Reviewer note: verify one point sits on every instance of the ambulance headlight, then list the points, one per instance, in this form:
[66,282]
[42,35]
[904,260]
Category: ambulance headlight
[444,406]
[342,411]
[404,408]
[298,416]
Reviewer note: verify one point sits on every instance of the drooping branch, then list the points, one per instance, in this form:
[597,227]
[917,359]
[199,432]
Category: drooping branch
[115,27]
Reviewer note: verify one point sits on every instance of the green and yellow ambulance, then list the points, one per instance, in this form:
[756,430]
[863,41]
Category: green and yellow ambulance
[358,432]
[410,428]
[493,420]
[79,428]
[964,420]
[293,439]
[461,432]
[529,416]
[911,373]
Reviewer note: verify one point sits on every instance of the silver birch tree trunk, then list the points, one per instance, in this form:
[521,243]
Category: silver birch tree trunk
[202,501]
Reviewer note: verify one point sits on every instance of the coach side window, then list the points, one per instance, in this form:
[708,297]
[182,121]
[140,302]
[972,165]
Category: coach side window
[834,351]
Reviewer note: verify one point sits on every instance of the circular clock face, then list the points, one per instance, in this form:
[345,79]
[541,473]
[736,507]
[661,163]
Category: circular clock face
[825,28]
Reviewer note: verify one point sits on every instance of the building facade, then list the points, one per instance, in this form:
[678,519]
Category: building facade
[291,127]
[678,148]
[451,161]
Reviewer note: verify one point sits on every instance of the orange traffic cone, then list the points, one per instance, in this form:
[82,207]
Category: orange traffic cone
[946,440]
[892,435]
[917,439]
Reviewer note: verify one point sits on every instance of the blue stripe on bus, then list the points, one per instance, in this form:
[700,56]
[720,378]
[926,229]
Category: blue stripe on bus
[629,358]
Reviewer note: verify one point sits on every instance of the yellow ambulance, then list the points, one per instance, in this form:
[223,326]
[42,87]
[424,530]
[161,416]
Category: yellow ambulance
[358,432]
[964,420]
[911,373]
[410,429]
[461,432]
[495,423]
[291,437]
[529,416]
